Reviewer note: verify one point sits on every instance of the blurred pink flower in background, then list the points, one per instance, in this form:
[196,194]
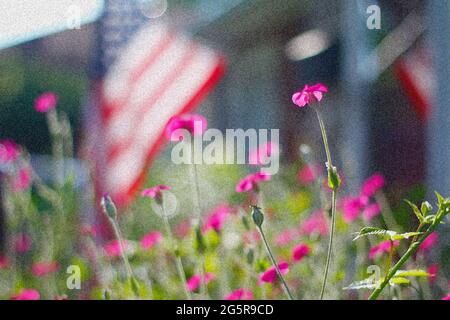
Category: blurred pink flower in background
[447,297]
[22,243]
[309,94]
[316,223]
[372,185]
[4,262]
[285,237]
[259,155]
[183,228]
[383,247]
[240,294]
[27,294]
[194,282]
[433,271]
[309,173]
[216,218]
[155,192]
[251,181]
[299,252]
[9,151]
[22,180]
[429,242]
[351,207]
[88,230]
[40,269]
[195,124]
[112,249]
[270,275]
[371,211]
[150,239]
[45,102]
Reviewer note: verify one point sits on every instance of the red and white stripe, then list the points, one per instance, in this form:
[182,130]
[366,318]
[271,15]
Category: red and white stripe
[159,74]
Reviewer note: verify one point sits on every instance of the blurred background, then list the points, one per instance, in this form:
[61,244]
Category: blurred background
[387,107]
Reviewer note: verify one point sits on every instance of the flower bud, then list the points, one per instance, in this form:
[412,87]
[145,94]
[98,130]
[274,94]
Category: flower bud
[257,215]
[334,181]
[108,206]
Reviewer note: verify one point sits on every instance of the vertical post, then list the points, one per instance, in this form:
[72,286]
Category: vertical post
[356,74]
[438,130]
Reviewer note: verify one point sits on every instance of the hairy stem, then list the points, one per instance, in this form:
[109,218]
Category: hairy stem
[269,252]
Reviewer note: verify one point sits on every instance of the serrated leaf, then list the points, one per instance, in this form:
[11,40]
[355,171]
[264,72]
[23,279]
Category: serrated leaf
[363,284]
[368,231]
[415,210]
[406,235]
[412,273]
[399,280]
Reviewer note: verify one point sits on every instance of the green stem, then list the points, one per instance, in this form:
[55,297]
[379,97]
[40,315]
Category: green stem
[269,252]
[178,262]
[198,218]
[122,247]
[330,243]
[412,249]
[333,199]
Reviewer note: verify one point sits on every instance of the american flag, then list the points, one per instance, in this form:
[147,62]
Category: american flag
[415,73]
[148,74]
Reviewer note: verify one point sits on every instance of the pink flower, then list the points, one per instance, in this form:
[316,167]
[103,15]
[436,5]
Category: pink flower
[155,192]
[216,218]
[4,262]
[433,271]
[150,239]
[372,185]
[26,294]
[351,208]
[260,155]
[45,102]
[285,237]
[372,210]
[447,297]
[309,94]
[88,230]
[316,223]
[22,181]
[429,242]
[195,124]
[309,173]
[40,269]
[9,151]
[194,282]
[183,228]
[270,275]
[383,247]
[23,243]
[112,249]
[299,252]
[240,294]
[251,181]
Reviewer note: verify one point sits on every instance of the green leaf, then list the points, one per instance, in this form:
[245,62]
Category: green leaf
[429,219]
[406,235]
[388,234]
[368,231]
[412,273]
[415,209]
[363,284]
[440,198]
[398,280]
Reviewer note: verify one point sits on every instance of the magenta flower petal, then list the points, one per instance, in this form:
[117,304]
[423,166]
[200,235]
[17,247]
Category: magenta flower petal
[383,247]
[216,218]
[26,294]
[308,94]
[9,151]
[371,211]
[154,192]
[4,262]
[270,275]
[40,269]
[251,181]
[240,294]
[316,223]
[151,239]
[112,249]
[447,297]
[260,154]
[351,207]
[194,282]
[23,243]
[372,185]
[299,252]
[429,242]
[45,102]
[195,124]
